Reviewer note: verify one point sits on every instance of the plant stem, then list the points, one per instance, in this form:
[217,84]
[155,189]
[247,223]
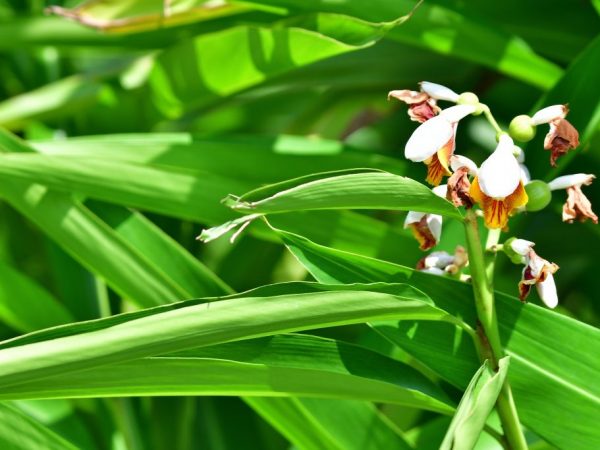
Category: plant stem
[490,118]
[482,276]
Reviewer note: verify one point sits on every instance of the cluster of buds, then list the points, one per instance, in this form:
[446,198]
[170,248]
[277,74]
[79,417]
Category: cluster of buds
[501,186]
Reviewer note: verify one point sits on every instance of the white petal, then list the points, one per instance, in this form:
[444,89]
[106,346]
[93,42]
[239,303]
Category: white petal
[455,113]
[521,246]
[439,260]
[458,161]
[413,217]
[440,190]
[439,92]
[433,271]
[549,114]
[547,291]
[428,138]
[571,180]
[500,174]
[525,175]
[434,222]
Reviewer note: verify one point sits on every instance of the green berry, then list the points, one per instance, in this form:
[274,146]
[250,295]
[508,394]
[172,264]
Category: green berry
[468,98]
[539,195]
[521,128]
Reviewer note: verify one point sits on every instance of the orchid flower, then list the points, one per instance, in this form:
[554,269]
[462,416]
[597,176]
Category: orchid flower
[498,187]
[433,142]
[426,228]
[562,135]
[458,183]
[577,205]
[538,272]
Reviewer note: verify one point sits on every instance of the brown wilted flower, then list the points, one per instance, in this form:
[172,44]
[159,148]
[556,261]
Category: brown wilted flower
[562,136]
[577,205]
[421,107]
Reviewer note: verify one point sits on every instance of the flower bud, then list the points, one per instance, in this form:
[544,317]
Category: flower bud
[468,98]
[511,246]
[521,128]
[539,195]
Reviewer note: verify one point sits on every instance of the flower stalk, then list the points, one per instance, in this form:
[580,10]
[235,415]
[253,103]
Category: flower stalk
[489,336]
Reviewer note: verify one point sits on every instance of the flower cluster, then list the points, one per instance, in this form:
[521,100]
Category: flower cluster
[500,186]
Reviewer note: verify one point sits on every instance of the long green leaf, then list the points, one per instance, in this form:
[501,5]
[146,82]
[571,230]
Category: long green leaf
[317,424]
[475,407]
[207,324]
[287,365]
[552,372]
[371,190]
[25,305]
[20,432]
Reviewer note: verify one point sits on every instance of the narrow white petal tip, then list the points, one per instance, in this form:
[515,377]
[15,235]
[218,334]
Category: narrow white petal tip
[548,114]
[428,138]
[440,190]
[458,161]
[500,174]
[434,222]
[547,291]
[413,217]
[457,112]
[567,181]
[521,246]
[439,92]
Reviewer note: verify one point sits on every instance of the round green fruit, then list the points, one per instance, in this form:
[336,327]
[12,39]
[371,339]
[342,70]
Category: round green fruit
[521,128]
[539,195]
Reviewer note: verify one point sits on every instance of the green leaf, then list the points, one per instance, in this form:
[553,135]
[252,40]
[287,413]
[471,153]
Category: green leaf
[25,305]
[445,31]
[318,424]
[20,432]
[370,190]
[552,372]
[286,365]
[475,407]
[206,324]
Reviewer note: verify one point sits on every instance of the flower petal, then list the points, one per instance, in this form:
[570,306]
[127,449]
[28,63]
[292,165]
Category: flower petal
[547,291]
[567,181]
[440,190]
[428,138]
[455,113]
[439,92]
[550,113]
[458,161]
[413,217]
[521,246]
[438,259]
[500,174]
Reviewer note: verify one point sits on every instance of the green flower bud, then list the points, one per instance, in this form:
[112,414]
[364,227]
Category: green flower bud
[468,98]
[539,195]
[521,128]
[512,255]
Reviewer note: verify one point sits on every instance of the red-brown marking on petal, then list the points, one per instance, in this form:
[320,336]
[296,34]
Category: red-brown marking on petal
[497,211]
[437,165]
[561,138]
[536,271]
[458,188]
[577,206]
[423,234]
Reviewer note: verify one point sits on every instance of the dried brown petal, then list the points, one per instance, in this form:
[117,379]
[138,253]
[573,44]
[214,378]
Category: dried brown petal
[458,188]
[561,138]
[577,206]
[421,107]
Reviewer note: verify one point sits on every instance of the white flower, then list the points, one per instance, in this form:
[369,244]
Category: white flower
[498,187]
[433,142]
[540,273]
[459,161]
[562,136]
[441,263]
[426,228]
[577,205]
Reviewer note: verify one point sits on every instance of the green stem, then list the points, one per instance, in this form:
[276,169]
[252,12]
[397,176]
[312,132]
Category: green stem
[489,336]
[490,118]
